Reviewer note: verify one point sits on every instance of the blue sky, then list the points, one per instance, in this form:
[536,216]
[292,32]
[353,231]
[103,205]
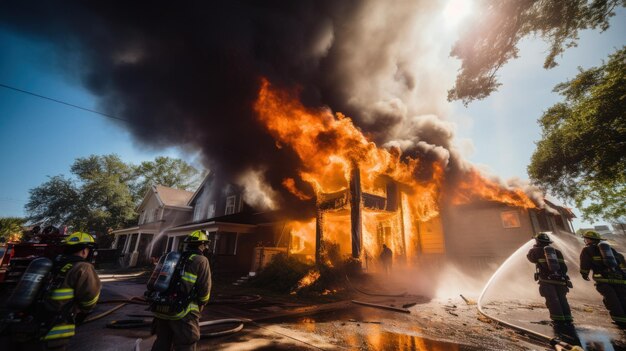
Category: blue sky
[40,138]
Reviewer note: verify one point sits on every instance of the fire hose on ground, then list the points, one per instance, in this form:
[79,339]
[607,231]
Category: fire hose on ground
[137,323]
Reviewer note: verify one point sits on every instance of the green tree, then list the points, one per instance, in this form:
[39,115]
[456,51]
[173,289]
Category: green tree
[106,200]
[171,172]
[582,153]
[55,201]
[491,41]
[11,228]
[103,192]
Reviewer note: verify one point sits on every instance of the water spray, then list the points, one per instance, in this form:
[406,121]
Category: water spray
[554,342]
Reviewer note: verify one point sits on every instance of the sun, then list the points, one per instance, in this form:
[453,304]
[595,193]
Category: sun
[455,11]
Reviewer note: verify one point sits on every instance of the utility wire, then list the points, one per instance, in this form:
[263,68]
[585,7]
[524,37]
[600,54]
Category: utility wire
[63,102]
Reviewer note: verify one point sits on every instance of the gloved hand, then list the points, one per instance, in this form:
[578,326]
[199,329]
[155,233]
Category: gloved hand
[585,276]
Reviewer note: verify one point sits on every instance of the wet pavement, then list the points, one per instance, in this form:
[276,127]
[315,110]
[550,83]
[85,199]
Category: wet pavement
[287,325]
[290,324]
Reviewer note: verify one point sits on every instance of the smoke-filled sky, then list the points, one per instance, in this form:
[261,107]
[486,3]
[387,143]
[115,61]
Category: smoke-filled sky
[185,76]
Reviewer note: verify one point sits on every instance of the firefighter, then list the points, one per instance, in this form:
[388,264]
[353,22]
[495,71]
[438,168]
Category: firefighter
[386,257]
[73,292]
[181,330]
[608,273]
[551,275]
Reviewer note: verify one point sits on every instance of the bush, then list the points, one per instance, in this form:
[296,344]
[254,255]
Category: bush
[281,275]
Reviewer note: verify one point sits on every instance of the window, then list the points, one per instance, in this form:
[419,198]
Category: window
[211,212]
[510,219]
[149,217]
[230,204]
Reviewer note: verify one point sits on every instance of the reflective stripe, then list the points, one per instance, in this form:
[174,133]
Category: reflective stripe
[60,331]
[555,282]
[90,302]
[609,281]
[192,256]
[66,268]
[191,307]
[596,258]
[204,299]
[618,319]
[542,260]
[189,277]
[62,294]
[560,317]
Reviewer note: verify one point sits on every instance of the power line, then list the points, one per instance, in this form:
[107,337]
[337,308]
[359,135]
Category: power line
[63,102]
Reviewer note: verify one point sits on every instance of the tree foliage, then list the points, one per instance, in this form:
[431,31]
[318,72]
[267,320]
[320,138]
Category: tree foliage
[582,153]
[492,40]
[171,172]
[104,191]
[11,228]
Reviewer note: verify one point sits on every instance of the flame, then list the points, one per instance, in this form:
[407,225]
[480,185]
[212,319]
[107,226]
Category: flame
[330,147]
[307,280]
[474,185]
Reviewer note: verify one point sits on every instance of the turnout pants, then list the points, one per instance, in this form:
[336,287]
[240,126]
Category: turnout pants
[556,301]
[614,298]
[181,334]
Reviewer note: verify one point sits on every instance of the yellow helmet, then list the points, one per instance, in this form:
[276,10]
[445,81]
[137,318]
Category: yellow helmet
[80,238]
[197,236]
[591,234]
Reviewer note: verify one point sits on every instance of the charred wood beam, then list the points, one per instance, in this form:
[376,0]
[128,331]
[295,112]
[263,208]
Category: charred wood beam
[355,212]
[319,234]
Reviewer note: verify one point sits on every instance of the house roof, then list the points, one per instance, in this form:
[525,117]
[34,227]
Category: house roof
[173,197]
[208,176]
[564,211]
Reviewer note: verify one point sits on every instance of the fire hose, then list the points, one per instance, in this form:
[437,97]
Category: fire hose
[136,323]
[552,341]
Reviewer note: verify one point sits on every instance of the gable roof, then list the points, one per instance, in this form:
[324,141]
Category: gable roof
[208,176]
[166,196]
[173,197]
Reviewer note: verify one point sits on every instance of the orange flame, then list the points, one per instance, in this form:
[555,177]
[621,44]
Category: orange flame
[330,146]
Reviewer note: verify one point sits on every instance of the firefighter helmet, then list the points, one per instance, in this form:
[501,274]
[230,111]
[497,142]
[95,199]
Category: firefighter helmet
[543,238]
[197,236]
[80,238]
[591,234]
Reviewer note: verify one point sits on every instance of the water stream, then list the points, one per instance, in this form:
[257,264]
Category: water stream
[512,296]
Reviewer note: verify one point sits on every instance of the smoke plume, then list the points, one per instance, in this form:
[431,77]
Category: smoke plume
[187,74]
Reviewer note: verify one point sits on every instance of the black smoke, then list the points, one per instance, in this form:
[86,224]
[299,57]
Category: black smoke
[187,73]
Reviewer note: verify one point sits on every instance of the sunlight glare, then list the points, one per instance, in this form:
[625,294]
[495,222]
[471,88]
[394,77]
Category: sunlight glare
[455,11]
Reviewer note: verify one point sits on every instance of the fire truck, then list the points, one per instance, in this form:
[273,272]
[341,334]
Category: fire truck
[16,256]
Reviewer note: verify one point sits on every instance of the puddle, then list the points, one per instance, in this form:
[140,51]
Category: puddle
[367,330]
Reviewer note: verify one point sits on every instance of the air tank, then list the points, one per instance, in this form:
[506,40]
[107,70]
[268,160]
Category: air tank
[155,273]
[165,274]
[552,259]
[607,255]
[29,285]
